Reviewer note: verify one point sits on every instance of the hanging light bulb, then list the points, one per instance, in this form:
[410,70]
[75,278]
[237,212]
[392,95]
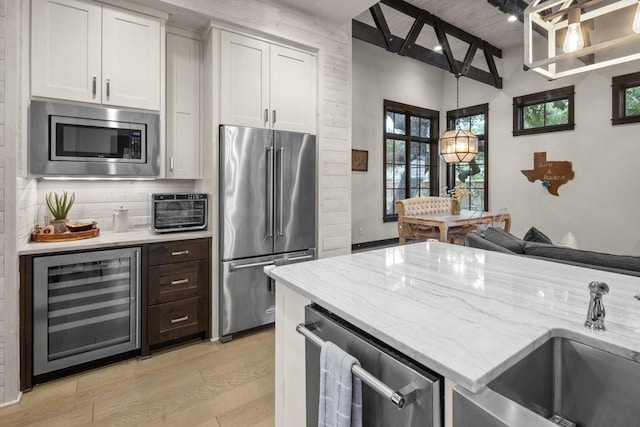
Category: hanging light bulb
[573,40]
[636,20]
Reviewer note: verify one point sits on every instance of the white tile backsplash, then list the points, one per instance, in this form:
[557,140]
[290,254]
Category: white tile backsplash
[98,200]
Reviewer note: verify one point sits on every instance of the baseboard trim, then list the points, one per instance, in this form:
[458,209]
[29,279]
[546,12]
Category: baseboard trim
[13,402]
[374,244]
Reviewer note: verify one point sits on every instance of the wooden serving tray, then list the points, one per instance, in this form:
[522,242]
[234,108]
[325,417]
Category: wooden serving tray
[66,236]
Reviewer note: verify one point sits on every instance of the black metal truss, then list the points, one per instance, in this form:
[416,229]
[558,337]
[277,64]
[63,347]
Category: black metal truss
[381,36]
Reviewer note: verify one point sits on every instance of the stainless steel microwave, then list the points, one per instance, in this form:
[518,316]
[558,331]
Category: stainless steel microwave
[76,140]
[179,212]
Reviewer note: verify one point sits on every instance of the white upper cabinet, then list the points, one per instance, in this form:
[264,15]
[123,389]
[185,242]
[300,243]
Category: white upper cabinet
[183,107]
[292,86]
[130,59]
[266,85]
[244,75]
[66,50]
[84,51]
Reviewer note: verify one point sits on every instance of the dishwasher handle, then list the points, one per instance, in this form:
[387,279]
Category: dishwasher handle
[395,397]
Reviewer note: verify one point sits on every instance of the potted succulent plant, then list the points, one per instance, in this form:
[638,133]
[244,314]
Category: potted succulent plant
[59,206]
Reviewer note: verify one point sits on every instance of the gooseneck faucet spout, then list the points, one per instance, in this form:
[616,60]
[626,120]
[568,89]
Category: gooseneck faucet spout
[596,313]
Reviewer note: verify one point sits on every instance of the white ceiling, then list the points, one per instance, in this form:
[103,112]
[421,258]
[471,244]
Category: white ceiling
[338,11]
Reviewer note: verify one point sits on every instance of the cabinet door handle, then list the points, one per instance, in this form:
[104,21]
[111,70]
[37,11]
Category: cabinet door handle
[108,88]
[179,282]
[266,115]
[171,164]
[273,116]
[94,86]
[179,319]
[176,253]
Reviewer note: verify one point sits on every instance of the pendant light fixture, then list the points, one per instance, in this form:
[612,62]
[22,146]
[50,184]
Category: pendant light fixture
[574,39]
[458,145]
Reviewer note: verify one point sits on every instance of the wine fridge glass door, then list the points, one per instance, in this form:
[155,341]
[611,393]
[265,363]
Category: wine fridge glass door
[85,307]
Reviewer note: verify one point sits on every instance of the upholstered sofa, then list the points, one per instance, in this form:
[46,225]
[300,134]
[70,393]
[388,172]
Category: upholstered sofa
[537,245]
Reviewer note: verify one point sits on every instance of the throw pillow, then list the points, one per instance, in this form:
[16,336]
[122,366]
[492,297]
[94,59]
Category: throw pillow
[535,235]
[505,239]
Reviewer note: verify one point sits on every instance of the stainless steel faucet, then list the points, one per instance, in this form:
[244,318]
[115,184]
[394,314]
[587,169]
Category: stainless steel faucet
[596,313]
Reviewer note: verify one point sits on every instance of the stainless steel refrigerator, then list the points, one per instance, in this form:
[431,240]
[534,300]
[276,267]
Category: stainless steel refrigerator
[267,217]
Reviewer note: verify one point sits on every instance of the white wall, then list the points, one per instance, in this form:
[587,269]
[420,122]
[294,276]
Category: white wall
[380,75]
[600,205]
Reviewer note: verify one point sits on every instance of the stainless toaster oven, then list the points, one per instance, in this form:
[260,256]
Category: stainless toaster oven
[178,212]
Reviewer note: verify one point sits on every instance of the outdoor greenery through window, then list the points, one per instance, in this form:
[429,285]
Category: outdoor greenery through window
[543,112]
[626,99]
[410,154]
[475,173]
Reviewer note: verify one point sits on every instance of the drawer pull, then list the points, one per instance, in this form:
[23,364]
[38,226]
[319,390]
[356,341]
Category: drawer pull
[176,253]
[179,282]
[179,319]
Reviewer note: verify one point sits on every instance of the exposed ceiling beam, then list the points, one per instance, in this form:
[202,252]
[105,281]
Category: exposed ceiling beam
[381,24]
[510,7]
[369,34]
[382,37]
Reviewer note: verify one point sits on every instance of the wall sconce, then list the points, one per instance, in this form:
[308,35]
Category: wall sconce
[548,23]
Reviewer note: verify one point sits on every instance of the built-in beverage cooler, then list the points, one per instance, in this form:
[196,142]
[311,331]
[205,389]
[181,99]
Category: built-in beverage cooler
[85,307]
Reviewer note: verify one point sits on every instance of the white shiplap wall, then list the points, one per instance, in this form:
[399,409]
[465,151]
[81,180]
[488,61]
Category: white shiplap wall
[3,29]
[11,105]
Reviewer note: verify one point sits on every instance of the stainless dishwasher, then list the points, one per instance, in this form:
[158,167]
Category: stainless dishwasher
[396,390]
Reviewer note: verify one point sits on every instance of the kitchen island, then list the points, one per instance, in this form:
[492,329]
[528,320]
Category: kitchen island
[465,313]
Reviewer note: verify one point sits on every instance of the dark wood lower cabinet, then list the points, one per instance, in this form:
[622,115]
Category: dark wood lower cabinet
[178,293]
[174,303]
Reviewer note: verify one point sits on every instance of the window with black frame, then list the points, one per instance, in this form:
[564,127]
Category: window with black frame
[626,99]
[548,111]
[475,173]
[410,154]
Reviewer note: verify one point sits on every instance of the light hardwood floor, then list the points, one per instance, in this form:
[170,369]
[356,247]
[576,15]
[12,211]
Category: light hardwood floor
[198,384]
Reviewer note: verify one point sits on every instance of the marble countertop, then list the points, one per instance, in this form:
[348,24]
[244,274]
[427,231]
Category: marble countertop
[109,239]
[467,313]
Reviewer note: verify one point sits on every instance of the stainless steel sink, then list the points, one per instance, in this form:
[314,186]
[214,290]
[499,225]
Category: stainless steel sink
[565,383]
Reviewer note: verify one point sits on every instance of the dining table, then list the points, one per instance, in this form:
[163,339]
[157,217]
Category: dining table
[465,220]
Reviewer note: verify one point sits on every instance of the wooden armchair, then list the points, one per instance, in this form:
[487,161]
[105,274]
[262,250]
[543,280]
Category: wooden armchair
[420,206]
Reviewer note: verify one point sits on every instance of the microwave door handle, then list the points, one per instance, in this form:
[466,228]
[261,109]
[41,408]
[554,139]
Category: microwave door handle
[269,192]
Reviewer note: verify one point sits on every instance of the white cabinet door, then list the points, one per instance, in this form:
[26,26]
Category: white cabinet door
[130,59]
[292,90]
[244,77]
[183,107]
[65,50]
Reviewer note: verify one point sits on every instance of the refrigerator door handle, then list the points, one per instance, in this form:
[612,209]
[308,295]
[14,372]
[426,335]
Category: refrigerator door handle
[234,267]
[280,191]
[269,192]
